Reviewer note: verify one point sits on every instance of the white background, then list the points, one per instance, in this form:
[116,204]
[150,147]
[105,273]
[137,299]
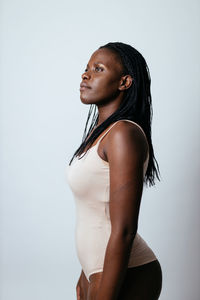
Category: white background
[45,46]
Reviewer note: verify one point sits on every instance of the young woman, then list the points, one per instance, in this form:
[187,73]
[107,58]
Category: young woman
[106,175]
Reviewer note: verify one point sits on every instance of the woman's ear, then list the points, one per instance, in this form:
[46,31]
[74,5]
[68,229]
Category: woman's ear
[125,82]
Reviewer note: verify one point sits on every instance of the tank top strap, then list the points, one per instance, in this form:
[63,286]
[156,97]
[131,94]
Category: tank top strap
[116,123]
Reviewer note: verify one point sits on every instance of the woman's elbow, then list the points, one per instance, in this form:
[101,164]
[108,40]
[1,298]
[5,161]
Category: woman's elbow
[125,233]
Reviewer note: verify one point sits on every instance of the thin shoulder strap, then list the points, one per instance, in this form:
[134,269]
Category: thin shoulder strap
[116,123]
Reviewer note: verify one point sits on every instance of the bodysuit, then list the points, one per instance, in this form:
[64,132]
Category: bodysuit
[88,178]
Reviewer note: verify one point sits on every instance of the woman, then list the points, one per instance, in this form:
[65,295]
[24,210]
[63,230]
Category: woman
[106,175]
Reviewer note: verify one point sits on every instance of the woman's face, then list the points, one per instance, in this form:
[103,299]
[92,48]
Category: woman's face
[103,78]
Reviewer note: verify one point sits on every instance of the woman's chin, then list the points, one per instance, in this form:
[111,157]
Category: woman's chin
[85,100]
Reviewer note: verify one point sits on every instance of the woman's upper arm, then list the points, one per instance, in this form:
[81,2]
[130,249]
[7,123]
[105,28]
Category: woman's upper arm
[126,152]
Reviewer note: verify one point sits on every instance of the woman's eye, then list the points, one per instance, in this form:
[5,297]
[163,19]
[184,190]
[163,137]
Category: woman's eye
[99,68]
[96,68]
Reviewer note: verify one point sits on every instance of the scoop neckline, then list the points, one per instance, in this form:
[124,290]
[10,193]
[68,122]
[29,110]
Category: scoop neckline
[86,151]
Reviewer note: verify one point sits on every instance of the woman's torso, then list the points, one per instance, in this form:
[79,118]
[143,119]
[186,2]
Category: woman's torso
[89,180]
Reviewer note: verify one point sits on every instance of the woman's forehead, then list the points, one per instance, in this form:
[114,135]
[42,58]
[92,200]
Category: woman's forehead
[104,56]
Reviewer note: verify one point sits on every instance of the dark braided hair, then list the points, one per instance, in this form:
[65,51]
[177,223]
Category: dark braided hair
[136,104]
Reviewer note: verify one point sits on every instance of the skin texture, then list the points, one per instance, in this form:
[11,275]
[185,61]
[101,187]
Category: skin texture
[125,148]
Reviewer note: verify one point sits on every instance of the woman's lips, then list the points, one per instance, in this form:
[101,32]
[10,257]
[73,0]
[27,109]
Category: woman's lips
[84,86]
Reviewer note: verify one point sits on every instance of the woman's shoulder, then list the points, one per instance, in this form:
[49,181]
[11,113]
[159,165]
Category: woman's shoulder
[128,138]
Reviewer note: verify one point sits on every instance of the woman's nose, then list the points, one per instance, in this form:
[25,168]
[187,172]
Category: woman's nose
[85,75]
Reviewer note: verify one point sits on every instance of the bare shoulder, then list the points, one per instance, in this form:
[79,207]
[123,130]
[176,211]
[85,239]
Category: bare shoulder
[126,140]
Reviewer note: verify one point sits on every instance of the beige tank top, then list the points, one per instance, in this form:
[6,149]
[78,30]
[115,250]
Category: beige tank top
[88,179]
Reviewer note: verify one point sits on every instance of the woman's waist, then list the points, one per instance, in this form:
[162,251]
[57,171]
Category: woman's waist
[99,234]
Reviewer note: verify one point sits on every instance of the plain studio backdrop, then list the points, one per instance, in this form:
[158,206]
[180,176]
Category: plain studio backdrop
[45,46]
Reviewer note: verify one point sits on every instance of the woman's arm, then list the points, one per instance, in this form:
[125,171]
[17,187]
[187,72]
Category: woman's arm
[126,152]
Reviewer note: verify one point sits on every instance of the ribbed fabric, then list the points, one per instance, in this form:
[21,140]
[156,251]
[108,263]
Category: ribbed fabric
[88,178]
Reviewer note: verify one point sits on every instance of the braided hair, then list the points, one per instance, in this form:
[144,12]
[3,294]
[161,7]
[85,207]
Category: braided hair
[136,104]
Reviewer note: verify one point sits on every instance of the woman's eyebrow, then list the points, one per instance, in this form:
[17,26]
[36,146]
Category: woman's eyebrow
[96,63]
